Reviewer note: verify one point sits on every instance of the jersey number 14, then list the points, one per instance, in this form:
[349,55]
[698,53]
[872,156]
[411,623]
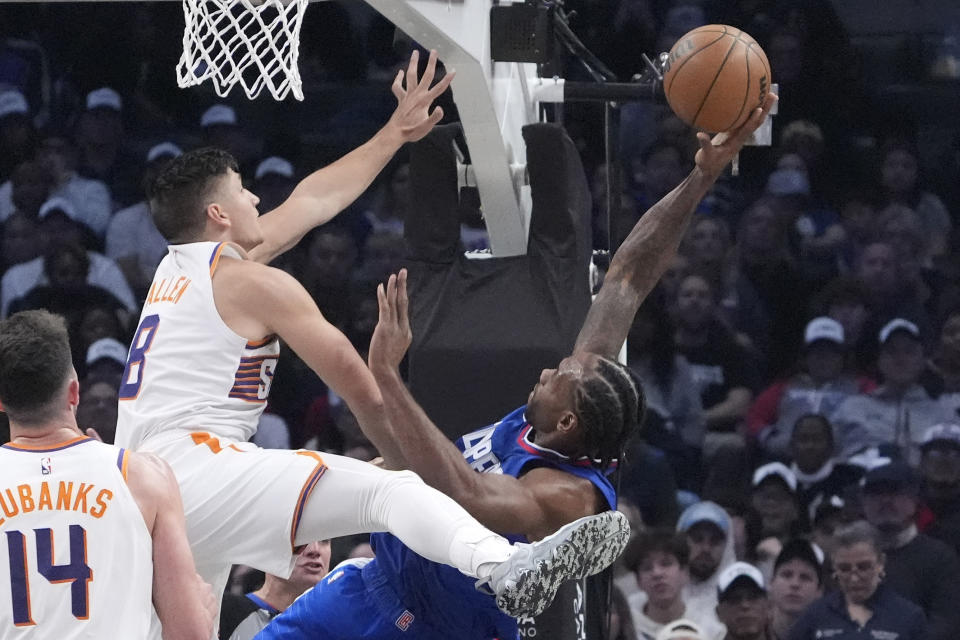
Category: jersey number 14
[76,572]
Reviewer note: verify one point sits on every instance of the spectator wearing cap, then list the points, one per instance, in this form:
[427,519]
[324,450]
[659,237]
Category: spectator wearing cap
[742,604]
[816,234]
[17,134]
[98,407]
[133,240]
[773,517]
[59,228]
[819,475]
[659,559]
[709,533]
[828,516]
[682,630]
[102,156]
[797,581]
[863,606]
[820,385]
[877,271]
[106,360]
[274,181]
[845,300]
[919,568]
[900,410]
[221,129]
[91,199]
[940,482]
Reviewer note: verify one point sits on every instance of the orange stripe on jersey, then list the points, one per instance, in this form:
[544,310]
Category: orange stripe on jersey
[124,466]
[256,344]
[46,447]
[202,437]
[305,492]
[215,258]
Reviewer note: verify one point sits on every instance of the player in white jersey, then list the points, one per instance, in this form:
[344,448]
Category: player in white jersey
[201,362]
[92,536]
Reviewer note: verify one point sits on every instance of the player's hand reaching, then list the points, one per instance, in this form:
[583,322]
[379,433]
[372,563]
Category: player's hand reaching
[412,117]
[715,154]
[392,336]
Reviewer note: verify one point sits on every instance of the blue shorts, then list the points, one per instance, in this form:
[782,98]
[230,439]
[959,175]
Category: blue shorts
[345,606]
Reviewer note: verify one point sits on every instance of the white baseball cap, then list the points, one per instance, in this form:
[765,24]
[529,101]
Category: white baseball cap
[948,432]
[104,98]
[823,328]
[109,349]
[681,629]
[775,469]
[57,204]
[218,114]
[705,511]
[898,324]
[163,149]
[274,165]
[739,571]
[12,102]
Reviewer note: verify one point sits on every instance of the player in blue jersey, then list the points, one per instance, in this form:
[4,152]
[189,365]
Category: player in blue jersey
[541,467]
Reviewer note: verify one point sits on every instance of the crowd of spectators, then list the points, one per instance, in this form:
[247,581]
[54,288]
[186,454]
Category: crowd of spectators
[800,358]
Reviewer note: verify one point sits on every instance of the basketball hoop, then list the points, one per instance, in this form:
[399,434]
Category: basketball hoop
[253,43]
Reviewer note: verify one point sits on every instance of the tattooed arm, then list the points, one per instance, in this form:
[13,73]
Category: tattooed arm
[646,252]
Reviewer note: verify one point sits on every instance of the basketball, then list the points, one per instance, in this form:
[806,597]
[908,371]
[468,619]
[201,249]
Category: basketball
[715,76]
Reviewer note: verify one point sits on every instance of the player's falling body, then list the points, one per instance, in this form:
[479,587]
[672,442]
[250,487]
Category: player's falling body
[84,525]
[201,362]
[541,466]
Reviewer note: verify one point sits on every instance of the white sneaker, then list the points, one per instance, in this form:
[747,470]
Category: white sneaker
[527,582]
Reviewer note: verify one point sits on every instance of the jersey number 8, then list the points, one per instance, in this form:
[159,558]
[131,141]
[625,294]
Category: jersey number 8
[137,360]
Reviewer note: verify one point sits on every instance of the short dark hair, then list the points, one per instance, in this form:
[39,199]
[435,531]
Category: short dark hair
[35,361]
[649,542]
[800,549]
[610,406]
[177,195]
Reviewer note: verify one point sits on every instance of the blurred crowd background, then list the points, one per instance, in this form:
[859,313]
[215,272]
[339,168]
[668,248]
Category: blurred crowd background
[806,336]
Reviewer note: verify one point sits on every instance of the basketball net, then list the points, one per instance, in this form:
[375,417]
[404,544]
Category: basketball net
[253,43]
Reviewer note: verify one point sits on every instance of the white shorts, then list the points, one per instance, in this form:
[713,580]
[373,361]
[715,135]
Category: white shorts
[242,503]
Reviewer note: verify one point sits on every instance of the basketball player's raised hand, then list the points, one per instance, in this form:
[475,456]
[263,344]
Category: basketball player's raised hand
[716,153]
[412,116]
[392,336]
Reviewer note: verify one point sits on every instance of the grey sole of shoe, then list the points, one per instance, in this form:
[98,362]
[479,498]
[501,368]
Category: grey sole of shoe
[589,545]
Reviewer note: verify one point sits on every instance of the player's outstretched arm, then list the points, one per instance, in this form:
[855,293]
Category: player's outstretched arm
[184,602]
[646,252]
[325,193]
[256,300]
[535,505]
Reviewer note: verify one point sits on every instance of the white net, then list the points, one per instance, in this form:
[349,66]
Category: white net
[254,44]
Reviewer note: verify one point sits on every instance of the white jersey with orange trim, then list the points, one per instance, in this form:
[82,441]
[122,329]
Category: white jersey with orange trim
[186,369]
[76,558]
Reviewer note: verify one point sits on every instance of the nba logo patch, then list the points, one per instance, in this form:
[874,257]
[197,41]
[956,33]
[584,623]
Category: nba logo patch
[405,620]
[45,466]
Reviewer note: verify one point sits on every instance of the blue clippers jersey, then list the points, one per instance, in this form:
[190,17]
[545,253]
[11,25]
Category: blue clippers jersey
[440,595]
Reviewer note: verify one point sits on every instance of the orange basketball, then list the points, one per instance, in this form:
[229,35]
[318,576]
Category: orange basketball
[715,76]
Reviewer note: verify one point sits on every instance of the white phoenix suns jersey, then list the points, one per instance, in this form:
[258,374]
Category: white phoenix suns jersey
[76,558]
[186,369]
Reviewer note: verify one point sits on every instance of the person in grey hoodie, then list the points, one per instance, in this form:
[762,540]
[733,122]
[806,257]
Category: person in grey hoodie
[900,410]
